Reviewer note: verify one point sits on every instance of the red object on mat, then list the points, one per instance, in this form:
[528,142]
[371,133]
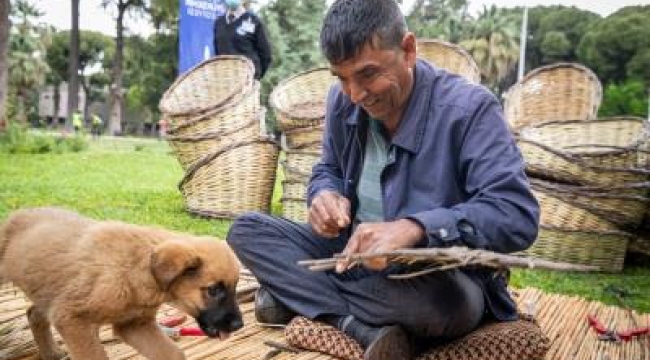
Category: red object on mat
[612,335]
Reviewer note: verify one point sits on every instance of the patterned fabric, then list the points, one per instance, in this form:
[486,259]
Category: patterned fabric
[517,340]
[314,336]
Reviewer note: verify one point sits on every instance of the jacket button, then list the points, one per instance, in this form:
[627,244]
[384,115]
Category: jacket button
[443,233]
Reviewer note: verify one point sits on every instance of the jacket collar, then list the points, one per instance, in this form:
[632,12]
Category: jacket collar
[411,128]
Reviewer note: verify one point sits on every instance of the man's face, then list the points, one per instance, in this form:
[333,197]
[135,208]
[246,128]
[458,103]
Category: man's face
[379,80]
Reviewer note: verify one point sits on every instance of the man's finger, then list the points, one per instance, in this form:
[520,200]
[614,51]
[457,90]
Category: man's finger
[343,206]
[351,248]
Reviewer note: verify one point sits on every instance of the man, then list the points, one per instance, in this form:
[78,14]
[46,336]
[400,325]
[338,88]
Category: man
[240,32]
[413,157]
[97,123]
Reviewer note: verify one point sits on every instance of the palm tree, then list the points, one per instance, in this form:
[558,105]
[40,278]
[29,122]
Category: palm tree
[5,9]
[494,44]
[439,19]
[27,65]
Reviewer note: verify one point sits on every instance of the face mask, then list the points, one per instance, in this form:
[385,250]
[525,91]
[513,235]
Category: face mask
[233,4]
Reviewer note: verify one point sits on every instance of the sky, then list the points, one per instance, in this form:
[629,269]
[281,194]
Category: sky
[94,17]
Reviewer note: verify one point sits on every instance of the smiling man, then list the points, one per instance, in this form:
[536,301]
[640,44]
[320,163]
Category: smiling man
[413,157]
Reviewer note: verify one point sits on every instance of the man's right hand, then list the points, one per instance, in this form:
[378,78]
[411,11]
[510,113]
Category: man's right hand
[329,213]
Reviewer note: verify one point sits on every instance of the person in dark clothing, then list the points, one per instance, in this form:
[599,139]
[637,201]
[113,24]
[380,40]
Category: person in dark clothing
[240,32]
[413,157]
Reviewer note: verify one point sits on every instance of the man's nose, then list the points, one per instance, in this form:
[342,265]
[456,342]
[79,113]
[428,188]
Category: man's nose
[357,93]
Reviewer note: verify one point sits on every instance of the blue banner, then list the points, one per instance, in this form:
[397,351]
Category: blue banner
[196,26]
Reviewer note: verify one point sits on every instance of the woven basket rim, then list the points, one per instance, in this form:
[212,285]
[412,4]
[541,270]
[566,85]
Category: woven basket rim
[212,214]
[604,192]
[212,134]
[456,48]
[248,63]
[303,129]
[289,198]
[643,135]
[560,65]
[207,159]
[592,232]
[278,88]
[225,106]
[302,152]
[576,160]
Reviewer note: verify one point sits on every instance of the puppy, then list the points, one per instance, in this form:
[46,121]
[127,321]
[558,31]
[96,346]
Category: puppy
[80,273]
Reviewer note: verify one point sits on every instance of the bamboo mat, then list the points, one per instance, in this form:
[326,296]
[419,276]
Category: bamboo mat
[562,317]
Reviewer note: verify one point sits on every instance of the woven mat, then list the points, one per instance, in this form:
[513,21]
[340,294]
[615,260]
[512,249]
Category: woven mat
[563,318]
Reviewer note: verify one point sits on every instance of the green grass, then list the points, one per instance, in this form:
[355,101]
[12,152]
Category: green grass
[135,180]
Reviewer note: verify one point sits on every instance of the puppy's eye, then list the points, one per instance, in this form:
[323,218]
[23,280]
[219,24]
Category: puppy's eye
[191,271]
[215,291]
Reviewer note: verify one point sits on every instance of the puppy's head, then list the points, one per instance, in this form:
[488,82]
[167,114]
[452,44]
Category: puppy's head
[200,276]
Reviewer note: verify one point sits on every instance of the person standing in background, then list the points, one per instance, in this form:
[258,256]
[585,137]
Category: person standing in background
[240,32]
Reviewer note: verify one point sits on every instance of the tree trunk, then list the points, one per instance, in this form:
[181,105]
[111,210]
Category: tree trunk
[86,87]
[116,93]
[73,66]
[5,6]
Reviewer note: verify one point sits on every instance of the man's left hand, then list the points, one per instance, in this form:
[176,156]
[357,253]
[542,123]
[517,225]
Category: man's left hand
[380,237]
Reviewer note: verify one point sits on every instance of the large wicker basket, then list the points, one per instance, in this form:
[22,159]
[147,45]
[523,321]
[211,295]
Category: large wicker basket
[302,160]
[605,249]
[205,133]
[299,101]
[232,180]
[553,92]
[207,86]
[306,138]
[450,57]
[623,205]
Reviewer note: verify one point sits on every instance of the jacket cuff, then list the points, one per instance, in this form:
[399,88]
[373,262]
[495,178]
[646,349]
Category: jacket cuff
[440,226]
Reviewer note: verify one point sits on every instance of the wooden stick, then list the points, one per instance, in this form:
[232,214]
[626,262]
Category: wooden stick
[447,258]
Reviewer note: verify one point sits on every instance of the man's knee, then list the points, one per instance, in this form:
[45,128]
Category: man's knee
[245,229]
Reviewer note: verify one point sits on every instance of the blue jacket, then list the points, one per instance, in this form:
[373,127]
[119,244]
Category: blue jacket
[453,166]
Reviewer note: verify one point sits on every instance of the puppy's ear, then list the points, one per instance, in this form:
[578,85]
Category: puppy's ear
[172,259]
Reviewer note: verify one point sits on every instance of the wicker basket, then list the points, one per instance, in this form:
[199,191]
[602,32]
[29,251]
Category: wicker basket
[611,142]
[553,92]
[295,209]
[624,206]
[450,57]
[545,162]
[208,86]
[302,161]
[560,214]
[299,101]
[605,249]
[307,138]
[232,180]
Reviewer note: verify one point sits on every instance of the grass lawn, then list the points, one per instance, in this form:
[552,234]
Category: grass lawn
[135,180]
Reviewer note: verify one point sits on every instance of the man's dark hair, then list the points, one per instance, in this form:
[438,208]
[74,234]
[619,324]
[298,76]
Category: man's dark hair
[351,24]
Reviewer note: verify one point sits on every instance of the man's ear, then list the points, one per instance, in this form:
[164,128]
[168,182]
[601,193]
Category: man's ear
[172,259]
[410,48]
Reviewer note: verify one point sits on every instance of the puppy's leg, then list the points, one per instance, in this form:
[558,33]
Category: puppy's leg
[40,326]
[81,338]
[149,340]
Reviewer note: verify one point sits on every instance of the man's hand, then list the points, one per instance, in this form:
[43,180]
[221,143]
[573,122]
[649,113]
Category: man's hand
[380,237]
[329,213]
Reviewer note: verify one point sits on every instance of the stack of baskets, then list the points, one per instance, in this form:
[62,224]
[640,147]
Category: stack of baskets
[299,106]
[217,134]
[450,57]
[591,179]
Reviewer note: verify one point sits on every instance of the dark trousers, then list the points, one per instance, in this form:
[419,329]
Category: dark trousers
[442,305]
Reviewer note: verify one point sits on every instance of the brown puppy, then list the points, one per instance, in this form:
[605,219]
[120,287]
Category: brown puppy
[81,273]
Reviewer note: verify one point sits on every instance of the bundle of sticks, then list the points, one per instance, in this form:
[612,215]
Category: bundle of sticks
[440,259]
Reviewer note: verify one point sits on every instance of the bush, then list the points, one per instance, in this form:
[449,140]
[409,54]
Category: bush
[628,98]
[17,140]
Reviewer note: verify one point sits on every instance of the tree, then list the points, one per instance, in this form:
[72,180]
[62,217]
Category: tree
[629,98]
[617,46]
[294,31]
[5,9]
[116,100]
[27,65]
[73,66]
[439,19]
[494,44]
[94,49]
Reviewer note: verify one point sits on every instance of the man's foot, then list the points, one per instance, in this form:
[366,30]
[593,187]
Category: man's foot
[268,310]
[390,343]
